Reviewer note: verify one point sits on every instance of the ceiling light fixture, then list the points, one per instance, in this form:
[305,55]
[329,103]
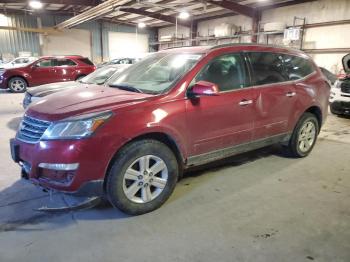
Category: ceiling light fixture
[184,15]
[141,25]
[35,4]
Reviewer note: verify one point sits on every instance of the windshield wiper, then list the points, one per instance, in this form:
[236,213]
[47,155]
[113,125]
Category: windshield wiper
[127,88]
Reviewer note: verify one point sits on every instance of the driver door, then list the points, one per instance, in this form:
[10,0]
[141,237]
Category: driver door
[43,72]
[225,120]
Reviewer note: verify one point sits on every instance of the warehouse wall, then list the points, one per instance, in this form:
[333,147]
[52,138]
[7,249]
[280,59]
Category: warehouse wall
[12,42]
[319,37]
[315,38]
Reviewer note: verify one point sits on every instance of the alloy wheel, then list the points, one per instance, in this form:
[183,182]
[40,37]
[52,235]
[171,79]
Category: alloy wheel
[145,179]
[18,85]
[307,136]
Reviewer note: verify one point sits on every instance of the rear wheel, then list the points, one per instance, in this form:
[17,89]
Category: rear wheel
[142,177]
[17,85]
[304,136]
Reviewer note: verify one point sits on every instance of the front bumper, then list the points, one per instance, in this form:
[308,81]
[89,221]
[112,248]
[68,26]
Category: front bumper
[86,180]
[340,107]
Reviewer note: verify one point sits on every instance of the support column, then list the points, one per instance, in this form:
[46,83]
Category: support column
[256,21]
[193,33]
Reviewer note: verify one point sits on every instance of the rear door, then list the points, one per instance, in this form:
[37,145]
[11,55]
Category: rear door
[65,69]
[225,120]
[275,92]
[44,72]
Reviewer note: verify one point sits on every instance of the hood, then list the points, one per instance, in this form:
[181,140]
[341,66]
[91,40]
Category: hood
[44,90]
[83,100]
[346,63]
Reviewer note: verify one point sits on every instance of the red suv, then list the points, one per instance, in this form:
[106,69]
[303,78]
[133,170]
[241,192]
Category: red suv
[45,70]
[131,139]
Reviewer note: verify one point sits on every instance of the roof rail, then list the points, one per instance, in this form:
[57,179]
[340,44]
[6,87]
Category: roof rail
[254,44]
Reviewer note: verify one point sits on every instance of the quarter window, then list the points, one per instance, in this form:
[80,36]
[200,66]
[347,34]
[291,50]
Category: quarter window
[227,71]
[297,67]
[267,68]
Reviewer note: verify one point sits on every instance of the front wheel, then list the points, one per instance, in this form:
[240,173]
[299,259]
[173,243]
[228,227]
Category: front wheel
[142,177]
[17,85]
[304,136]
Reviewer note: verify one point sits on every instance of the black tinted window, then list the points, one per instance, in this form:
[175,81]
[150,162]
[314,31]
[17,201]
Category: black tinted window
[46,63]
[86,60]
[65,62]
[267,68]
[226,71]
[297,67]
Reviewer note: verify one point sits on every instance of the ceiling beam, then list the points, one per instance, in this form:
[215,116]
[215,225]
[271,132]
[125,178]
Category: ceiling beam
[32,30]
[62,2]
[283,4]
[158,16]
[235,7]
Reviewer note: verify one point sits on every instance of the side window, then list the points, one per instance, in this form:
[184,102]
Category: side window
[65,62]
[46,63]
[267,68]
[227,71]
[297,67]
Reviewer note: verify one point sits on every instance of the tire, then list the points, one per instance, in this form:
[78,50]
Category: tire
[303,141]
[17,85]
[138,192]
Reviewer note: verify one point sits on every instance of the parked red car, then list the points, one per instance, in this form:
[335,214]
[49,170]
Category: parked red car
[179,108]
[45,70]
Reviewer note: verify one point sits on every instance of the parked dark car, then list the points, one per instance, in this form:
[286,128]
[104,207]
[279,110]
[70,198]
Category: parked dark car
[98,77]
[45,70]
[340,93]
[131,140]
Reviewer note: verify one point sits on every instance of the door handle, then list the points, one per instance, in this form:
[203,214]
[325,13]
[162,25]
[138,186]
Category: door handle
[291,94]
[245,102]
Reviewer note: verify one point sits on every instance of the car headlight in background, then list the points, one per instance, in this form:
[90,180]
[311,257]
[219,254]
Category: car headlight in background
[76,127]
[27,100]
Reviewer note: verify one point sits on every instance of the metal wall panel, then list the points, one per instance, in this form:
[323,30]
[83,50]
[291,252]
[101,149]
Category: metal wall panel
[13,41]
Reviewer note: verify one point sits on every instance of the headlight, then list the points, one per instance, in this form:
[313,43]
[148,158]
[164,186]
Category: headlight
[76,127]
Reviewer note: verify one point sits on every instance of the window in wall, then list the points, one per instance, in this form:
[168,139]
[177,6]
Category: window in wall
[267,68]
[227,71]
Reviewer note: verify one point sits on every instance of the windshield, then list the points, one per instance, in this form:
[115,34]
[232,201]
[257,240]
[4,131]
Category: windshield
[156,73]
[100,76]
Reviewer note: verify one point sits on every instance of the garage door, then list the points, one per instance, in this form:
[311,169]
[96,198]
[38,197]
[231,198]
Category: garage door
[70,42]
[126,44]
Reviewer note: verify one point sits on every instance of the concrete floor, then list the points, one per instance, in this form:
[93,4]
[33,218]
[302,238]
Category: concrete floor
[260,206]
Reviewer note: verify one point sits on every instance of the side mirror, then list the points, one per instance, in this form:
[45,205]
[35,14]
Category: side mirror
[203,88]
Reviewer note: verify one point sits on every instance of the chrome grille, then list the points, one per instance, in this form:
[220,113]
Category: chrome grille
[345,87]
[32,129]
